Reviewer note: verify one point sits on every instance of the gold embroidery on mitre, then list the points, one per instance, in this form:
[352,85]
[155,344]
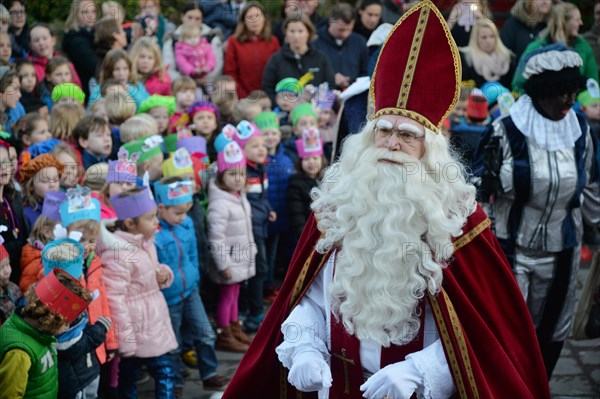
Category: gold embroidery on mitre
[415,116]
[413,56]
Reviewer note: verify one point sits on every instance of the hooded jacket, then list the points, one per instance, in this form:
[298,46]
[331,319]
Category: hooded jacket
[137,306]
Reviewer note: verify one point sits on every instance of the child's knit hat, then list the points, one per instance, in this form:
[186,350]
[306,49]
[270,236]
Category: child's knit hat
[310,144]
[302,110]
[199,106]
[591,95]
[178,164]
[132,206]
[176,193]
[246,131]
[32,167]
[79,206]
[64,253]
[147,147]
[231,157]
[123,170]
[58,298]
[158,101]
[267,120]
[52,203]
[68,90]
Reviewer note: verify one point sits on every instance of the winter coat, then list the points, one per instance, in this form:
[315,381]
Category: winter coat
[214,37]
[256,191]
[245,62]
[350,58]
[77,364]
[13,115]
[137,306]
[31,215]
[176,247]
[40,63]
[593,38]
[230,235]
[106,212]
[298,198]
[20,43]
[160,85]
[32,269]
[284,64]
[197,214]
[279,170]
[78,46]
[520,29]
[588,69]
[12,244]
[93,279]
[190,58]
[42,376]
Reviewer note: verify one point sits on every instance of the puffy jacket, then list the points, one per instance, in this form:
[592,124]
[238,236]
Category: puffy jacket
[230,235]
[245,62]
[32,269]
[350,58]
[77,365]
[40,63]
[284,64]
[298,198]
[279,170]
[160,85]
[189,58]
[258,183]
[137,306]
[176,247]
[93,279]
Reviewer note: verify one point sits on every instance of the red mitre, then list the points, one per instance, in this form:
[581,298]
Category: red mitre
[418,72]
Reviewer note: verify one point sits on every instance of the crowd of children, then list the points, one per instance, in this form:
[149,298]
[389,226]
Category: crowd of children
[158,201]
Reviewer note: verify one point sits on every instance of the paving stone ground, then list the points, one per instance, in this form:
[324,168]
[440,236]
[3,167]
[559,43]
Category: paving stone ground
[577,374]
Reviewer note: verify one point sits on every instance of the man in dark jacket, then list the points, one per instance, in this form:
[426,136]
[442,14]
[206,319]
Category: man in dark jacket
[346,50]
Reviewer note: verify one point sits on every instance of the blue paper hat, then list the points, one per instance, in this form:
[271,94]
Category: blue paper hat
[176,193]
[52,202]
[493,90]
[225,137]
[79,206]
[71,260]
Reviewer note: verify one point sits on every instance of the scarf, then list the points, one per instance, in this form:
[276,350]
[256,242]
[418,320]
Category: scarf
[491,66]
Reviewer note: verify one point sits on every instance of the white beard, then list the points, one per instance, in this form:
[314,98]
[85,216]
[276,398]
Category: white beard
[392,225]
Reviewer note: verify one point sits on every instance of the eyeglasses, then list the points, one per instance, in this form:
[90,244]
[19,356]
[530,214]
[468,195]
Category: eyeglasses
[407,137]
[15,13]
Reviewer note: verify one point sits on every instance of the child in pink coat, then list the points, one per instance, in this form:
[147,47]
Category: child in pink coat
[134,278]
[193,54]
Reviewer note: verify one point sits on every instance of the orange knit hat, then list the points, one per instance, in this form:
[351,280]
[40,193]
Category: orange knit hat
[38,163]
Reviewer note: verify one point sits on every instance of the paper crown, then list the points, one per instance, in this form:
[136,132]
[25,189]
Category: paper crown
[179,192]
[158,101]
[195,145]
[170,141]
[58,298]
[178,164]
[591,95]
[246,131]
[199,106]
[63,253]
[123,170]
[324,98]
[477,107]
[231,157]
[267,120]
[3,251]
[68,90]
[52,202]
[147,147]
[311,144]
[288,85]
[505,103]
[132,206]
[179,121]
[79,206]
[225,137]
[301,110]
[418,71]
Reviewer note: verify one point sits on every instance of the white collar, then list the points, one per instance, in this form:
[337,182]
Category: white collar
[546,134]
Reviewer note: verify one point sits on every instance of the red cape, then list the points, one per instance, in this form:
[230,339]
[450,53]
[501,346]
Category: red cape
[482,319]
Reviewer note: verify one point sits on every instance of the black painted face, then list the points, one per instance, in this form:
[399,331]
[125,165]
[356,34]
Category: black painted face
[557,107]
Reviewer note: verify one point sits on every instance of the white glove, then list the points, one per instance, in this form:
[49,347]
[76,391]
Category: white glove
[309,371]
[396,381]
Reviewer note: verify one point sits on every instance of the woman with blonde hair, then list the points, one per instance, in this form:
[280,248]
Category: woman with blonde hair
[563,26]
[78,41]
[486,59]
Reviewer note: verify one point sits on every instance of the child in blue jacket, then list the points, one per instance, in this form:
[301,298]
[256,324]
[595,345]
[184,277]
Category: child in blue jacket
[176,247]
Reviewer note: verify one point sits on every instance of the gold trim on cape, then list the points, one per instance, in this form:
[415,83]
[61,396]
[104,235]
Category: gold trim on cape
[468,237]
